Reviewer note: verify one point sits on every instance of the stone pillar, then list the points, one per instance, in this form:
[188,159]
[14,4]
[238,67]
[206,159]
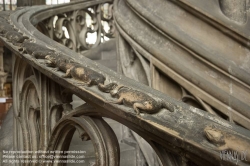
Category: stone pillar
[3,75]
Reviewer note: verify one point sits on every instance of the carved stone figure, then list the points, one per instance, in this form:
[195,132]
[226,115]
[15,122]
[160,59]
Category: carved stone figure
[76,71]
[15,37]
[107,88]
[225,141]
[3,20]
[5,27]
[34,49]
[6,14]
[138,100]
[86,75]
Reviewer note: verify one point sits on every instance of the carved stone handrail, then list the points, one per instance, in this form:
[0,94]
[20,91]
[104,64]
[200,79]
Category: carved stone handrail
[201,51]
[173,127]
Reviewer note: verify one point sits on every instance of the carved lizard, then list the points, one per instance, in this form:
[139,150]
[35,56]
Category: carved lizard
[137,99]
[15,37]
[76,71]
[34,49]
[225,141]
[5,27]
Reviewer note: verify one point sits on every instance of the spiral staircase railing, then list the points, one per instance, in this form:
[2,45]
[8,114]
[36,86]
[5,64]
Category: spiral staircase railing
[155,46]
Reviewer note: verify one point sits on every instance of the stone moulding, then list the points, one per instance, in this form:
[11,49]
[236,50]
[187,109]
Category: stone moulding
[197,51]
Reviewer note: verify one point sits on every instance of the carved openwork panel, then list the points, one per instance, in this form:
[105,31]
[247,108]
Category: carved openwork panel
[82,29]
[43,121]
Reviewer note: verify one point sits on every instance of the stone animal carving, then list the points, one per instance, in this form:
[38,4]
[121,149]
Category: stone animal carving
[6,14]
[138,100]
[107,88]
[3,20]
[15,37]
[225,141]
[5,27]
[75,70]
[62,64]
[34,49]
